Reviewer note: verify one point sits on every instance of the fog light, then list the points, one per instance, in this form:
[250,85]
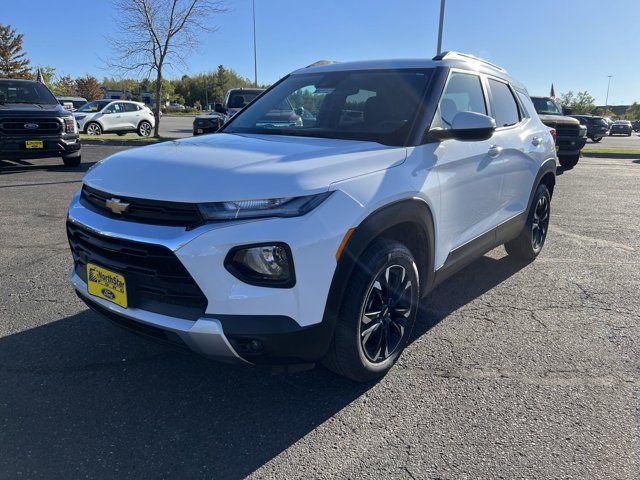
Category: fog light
[263,265]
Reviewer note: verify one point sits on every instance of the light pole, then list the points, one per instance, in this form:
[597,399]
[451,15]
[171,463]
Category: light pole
[442,2]
[255,57]
[606,102]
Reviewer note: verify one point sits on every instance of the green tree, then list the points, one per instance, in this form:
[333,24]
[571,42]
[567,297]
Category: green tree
[48,73]
[13,60]
[633,112]
[89,87]
[64,86]
[580,103]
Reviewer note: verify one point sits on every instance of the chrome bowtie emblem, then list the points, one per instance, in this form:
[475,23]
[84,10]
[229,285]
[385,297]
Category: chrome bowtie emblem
[31,126]
[116,205]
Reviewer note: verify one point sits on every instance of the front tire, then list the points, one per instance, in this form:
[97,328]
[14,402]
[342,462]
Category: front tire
[596,140]
[528,244]
[378,313]
[145,129]
[569,162]
[93,128]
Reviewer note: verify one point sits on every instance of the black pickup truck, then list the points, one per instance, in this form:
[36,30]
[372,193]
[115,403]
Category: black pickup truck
[571,136]
[33,124]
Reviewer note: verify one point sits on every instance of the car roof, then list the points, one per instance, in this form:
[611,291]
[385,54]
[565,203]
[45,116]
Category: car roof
[446,59]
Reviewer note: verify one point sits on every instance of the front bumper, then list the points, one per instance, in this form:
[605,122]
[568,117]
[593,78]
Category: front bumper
[570,145]
[620,131]
[204,336]
[14,147]
[245,322]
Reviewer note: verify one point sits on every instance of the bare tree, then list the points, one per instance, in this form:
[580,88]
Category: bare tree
[154,34]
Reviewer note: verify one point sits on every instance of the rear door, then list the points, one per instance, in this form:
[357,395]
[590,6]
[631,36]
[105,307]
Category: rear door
[131,115]
[470,172]
[522,143]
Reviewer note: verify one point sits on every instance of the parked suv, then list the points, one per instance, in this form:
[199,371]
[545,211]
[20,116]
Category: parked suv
[597,127]
[234,101]
[34,125]
[115,116]
[272,244]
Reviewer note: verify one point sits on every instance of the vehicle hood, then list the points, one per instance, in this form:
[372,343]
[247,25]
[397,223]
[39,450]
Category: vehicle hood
[553,120]
[224,167]
[31,108]
[208,116]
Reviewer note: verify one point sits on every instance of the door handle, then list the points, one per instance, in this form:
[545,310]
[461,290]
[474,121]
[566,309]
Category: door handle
[537,141]
[494,151]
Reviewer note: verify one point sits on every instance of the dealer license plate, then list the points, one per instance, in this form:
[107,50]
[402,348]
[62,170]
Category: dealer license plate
[106,284]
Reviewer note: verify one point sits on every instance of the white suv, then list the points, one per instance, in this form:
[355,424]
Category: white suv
[115,116]
[315,241]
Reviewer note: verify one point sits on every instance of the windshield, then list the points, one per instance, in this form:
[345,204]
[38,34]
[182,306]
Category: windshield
[94,106]
[545,106]
[15,91]
[241,99]
[378,106]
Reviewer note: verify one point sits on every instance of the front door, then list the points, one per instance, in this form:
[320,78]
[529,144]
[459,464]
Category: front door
[469,172]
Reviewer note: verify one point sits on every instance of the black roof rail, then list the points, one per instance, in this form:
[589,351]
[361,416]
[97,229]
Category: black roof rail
[465,56]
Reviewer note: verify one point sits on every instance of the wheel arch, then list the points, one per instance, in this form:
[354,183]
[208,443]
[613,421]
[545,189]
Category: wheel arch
[546,175]
[408,221]
[86,125]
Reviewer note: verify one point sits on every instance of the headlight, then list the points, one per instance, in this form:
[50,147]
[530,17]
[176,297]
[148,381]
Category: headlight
[273,207]
[70,125]
[583,131]
[80,117]
[268,265]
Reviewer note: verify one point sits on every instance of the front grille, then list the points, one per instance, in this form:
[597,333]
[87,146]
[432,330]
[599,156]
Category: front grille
[568,130]
[16,126]
[156,280]
[141,210]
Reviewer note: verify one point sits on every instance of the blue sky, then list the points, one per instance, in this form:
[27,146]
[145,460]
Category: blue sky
[573,43]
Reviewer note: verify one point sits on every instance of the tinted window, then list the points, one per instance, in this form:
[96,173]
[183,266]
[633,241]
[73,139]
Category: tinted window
[378,106]
[505,109]
[546,105]
[94,106]
[463,93]
[16,91]
[130,107]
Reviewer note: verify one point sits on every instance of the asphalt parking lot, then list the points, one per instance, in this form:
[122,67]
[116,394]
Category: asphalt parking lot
[515,371]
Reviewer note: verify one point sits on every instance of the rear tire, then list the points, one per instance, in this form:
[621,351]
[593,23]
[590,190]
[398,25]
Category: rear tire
[596,140]
[377,314]
[528,244]
[569,162]
[72,161]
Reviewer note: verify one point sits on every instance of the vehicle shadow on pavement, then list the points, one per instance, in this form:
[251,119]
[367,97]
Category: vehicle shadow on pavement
[21,166]
[463,287]
[82,398]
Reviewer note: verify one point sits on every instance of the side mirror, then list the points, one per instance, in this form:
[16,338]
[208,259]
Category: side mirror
[567,111]
[218,107]
[472,126]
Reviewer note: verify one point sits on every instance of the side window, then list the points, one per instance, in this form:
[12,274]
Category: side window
[130,107]
[463,93]
[525,104]
[505,109]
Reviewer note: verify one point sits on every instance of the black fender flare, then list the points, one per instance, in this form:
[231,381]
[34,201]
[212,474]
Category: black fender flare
[548,167]
[413,210]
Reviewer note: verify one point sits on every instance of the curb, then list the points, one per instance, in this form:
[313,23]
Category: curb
[123,143]
[621,155]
